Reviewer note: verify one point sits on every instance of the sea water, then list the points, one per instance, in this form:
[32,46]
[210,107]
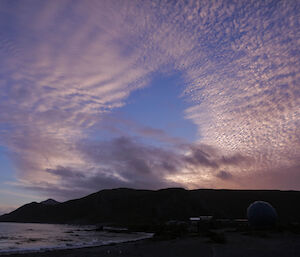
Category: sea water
[28,237]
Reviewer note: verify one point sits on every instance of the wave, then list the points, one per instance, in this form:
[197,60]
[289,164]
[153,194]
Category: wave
[93,243]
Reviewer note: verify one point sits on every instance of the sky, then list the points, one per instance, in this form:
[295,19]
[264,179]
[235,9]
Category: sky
[147,94]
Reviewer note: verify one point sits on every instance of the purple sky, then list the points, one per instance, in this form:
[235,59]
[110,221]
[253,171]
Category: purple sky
[147,94]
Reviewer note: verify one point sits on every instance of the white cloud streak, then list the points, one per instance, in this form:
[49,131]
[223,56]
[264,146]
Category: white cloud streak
[65,64]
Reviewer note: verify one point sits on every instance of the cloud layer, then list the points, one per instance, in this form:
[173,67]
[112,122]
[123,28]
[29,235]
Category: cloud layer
[128,162]
[67,64]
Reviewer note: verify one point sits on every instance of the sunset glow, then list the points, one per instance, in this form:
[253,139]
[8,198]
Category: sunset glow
[147,94]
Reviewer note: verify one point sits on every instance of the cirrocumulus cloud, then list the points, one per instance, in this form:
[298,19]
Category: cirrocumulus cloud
[66,65]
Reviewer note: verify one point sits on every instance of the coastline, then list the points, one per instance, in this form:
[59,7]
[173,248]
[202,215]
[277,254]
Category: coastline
[237,244]
[30,252]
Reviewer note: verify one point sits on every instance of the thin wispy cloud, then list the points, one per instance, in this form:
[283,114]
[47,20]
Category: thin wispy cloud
[66,65]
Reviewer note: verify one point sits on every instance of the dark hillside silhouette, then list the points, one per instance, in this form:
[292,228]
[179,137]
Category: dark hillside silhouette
[133,207]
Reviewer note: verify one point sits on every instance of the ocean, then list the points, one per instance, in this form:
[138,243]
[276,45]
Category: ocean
[28,237]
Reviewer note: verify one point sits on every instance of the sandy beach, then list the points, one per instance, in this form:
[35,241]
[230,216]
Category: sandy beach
[237,245]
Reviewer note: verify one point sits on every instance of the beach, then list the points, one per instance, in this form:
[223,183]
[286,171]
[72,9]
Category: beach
[237,244]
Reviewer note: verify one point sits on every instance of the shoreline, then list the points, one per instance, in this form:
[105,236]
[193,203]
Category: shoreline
[25,252]
[237,244]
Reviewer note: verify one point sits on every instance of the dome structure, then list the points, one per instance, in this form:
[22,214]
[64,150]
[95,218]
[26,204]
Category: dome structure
[261,215]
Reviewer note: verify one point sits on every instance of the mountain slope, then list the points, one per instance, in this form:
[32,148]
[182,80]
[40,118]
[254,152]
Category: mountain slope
[129,206]
[50,202]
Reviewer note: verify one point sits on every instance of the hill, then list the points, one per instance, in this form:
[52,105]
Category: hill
[131,207]
[50,202]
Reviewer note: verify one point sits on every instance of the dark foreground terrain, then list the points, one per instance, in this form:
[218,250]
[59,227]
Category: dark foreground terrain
[237,244]
[136,208]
